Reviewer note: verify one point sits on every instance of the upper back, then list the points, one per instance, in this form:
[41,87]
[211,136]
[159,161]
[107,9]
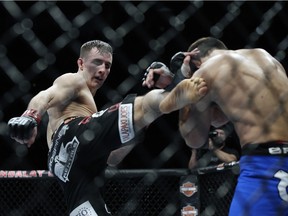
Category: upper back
[251,88]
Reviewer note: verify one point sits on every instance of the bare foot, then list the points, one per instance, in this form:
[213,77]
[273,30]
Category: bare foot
[188,91]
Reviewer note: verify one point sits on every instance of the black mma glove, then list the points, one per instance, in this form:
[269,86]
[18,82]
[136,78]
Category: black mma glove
[180,72]
[176,69]
[156,65]
[176,63]
[22,127]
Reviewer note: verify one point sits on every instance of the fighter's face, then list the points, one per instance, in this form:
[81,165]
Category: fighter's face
[96,67]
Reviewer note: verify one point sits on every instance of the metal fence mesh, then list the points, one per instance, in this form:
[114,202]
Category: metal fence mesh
[31,197]
[126,192]
[40,40]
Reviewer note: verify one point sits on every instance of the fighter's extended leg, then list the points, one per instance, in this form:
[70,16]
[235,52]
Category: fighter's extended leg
[188,91]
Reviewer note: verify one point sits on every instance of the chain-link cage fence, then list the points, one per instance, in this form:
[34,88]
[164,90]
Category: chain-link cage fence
[40,40]
[126,192]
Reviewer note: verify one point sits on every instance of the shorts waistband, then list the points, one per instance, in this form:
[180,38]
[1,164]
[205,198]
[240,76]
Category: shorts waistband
[65,121]
[276,148]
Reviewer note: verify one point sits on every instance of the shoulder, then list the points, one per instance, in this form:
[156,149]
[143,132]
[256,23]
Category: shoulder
[219,62]
[221,58]
[70,79]
[254,51]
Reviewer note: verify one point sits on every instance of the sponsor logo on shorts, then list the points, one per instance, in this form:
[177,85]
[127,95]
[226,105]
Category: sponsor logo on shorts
[188,189]
[189,211]
[278,150]
[98,114]
[65,158]
[125,122]
[85,209]
[283,184]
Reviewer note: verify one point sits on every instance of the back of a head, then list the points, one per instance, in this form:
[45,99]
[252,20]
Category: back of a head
[206,45]
[102,46]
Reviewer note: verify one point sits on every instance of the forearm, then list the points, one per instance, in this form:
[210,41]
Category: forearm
[40,103]
[223,156]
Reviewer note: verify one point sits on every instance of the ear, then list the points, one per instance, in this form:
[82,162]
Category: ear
[80,63]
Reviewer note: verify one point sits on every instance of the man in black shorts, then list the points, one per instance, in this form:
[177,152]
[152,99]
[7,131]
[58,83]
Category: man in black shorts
[81,138]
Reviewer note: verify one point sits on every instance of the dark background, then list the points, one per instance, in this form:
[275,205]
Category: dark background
[41,40]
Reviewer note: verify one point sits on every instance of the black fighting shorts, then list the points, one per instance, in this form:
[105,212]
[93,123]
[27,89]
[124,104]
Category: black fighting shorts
[79,153]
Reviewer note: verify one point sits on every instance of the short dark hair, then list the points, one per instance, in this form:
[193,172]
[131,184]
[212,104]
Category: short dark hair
[206,45]
[102,46]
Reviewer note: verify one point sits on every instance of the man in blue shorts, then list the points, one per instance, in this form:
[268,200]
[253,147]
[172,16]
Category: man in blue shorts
[249,88]
[80,137]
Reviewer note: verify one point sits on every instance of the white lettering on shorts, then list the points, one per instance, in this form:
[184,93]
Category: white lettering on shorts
[125,122]
[65,158]
[85,209]
[283,184]
[99,113]
[278,150]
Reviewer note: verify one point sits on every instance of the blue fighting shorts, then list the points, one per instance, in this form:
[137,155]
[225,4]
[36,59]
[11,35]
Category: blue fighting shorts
[262,187]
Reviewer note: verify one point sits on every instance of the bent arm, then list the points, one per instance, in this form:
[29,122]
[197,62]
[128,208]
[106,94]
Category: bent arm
[58,94]
[41,101]
[63,90]
[224,156]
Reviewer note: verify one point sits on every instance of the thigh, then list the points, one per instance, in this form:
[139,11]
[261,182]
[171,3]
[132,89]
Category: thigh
[89,201]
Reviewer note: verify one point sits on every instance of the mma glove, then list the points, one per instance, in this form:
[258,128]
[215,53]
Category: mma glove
[178,70]
[22,127]
[158,65]
[177,66]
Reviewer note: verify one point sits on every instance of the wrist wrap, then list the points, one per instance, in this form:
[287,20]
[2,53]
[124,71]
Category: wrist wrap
[33,114]
[156,65]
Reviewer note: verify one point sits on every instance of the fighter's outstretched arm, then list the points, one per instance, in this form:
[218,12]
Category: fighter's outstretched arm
[23,129]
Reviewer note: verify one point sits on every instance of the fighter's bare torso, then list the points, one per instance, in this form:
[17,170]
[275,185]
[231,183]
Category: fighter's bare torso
[80,103]
[247,85]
